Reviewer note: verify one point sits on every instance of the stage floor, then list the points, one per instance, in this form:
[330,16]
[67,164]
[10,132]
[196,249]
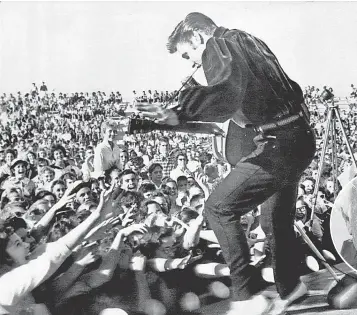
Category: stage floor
[319,284]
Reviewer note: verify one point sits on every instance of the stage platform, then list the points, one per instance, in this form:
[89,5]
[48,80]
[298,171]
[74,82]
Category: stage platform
[319,284]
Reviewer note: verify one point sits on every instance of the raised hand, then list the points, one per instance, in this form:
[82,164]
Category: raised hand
[85,257]
[65,200]
[201,179]
[141,228]
[106,201]
[102,227]
[128,217]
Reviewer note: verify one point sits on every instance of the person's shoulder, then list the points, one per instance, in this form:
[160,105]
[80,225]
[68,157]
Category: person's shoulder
[100,145]
[353,183]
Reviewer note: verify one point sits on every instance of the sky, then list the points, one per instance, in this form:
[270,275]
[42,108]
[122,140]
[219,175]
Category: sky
[121,46]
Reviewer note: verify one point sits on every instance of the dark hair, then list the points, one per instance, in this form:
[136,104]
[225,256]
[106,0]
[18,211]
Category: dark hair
[153,166]
[308,209]
[183,32]
[187,214]
[130,196]
[9,210]
[58,147]
[43,193]
[196,198]
[164,187]
[302,186]
[146,187]
[310,179]
[13,152]
[181,178]
[68,175]
[160,193]
[164,139]
[179,153]
[145,204]
[15,223]
[41,160]
[59,229]
[57,182]
[5,233]
[127,172]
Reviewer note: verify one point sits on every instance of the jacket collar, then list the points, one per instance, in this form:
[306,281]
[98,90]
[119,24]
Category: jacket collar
[220,31]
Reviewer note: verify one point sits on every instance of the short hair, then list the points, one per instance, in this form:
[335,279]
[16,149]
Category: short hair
[47,169]
[5,233]
[108,173]
[11,151]
[86,206]
[168,180]
[146,187]
[13,208]
[183,32]
[196,198]
[58,147]
[43,193]
[181,178]
[106,125]
[41,160]
[57,182]
[153,166]
[130,196]
[68,175]
[144,207]
[127,172]
[60,229]
[15,223]
[35,206]
[187,214]
[164,139]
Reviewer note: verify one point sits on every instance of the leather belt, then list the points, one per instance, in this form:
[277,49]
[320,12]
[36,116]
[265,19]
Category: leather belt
[279,123]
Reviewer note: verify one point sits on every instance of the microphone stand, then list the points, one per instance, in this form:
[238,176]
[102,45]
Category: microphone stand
[333,114]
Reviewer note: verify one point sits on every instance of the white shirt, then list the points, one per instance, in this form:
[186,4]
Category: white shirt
[193,166]
[176,173]
[17,284]
[105,157]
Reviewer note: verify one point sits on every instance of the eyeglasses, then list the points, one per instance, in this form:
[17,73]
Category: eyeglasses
[301,208]
[36,212]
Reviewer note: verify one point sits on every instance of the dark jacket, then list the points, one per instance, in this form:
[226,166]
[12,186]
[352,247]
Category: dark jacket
[245,83]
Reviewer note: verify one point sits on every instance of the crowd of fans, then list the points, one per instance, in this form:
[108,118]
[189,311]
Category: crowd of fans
[96,221]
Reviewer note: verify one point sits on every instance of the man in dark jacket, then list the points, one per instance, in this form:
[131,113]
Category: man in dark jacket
[247,86]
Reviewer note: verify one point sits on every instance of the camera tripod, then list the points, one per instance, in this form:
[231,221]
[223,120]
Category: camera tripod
[333,116]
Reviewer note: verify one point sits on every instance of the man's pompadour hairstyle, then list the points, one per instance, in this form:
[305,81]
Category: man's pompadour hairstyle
[183,32]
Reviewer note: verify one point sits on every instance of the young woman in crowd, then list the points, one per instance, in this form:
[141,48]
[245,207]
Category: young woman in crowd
[155,174]
[20,275]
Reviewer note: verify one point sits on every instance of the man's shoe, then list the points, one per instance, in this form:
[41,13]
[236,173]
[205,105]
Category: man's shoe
[257,305]
[279,306]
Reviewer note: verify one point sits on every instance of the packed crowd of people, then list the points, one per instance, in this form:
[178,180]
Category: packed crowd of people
[93,220]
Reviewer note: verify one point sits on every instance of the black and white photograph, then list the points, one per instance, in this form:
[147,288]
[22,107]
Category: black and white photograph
[178,158]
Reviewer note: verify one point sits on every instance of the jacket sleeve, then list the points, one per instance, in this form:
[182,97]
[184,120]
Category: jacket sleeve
[226,71]
[17,283]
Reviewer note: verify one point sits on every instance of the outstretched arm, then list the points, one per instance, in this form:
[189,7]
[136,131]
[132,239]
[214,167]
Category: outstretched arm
[226,71]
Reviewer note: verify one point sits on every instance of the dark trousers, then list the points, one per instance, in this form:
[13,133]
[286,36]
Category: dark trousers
[267,177]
